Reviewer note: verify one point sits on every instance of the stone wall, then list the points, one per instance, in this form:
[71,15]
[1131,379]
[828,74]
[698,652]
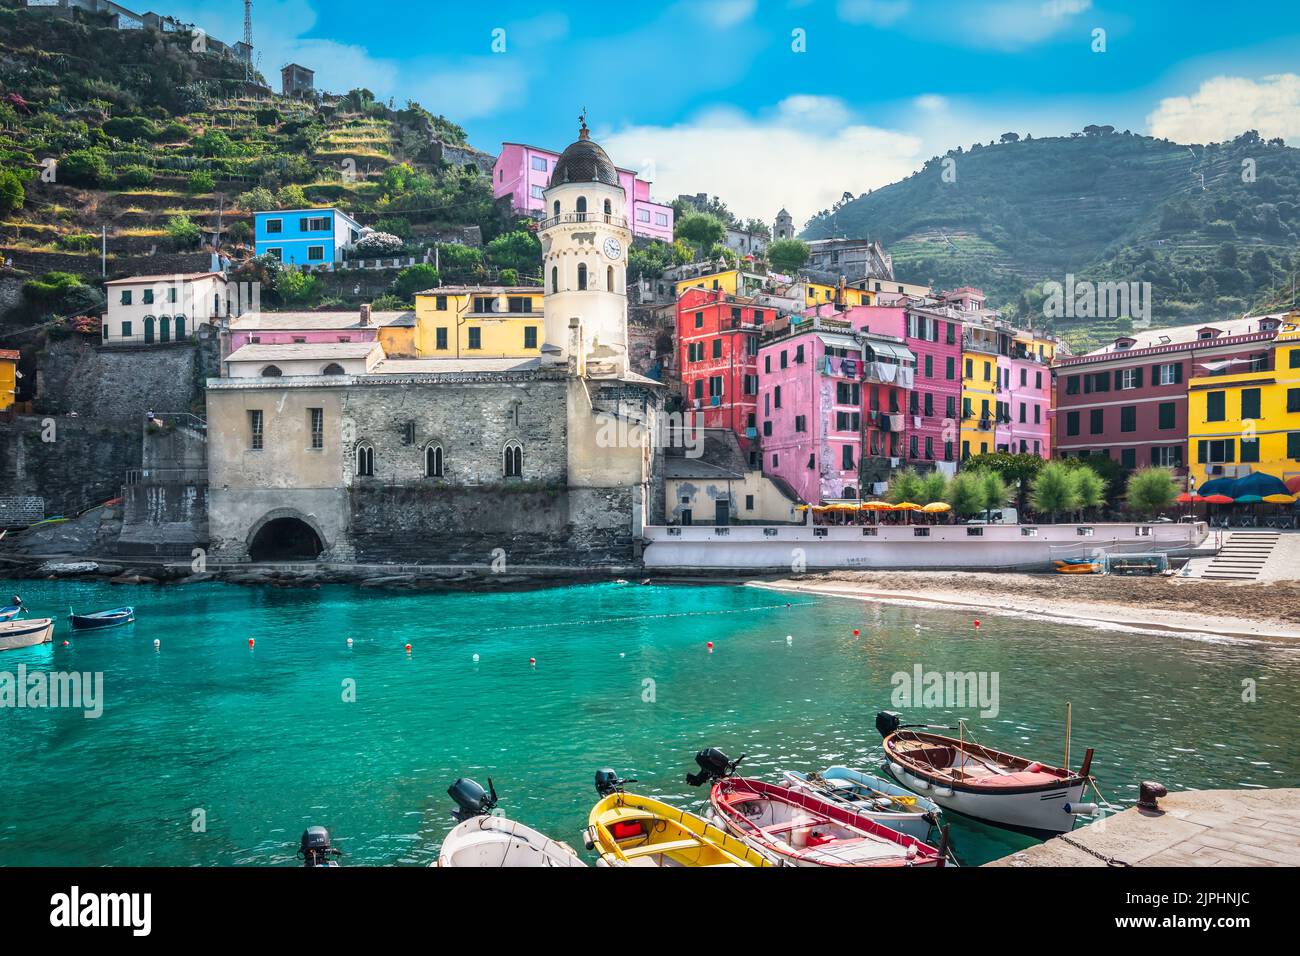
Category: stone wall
[164,517]
[84,465]
[120,384]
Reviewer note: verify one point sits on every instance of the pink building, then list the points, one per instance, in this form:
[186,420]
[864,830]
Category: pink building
[297,328]
[1029,402]
[831,407]
[934,336]
[523,172]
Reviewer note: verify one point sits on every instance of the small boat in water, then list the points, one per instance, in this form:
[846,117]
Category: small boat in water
[627,829]
[874,797]
[802,829]
[485,840]
[101,619]
[16,634]
[11,611]
[962,776]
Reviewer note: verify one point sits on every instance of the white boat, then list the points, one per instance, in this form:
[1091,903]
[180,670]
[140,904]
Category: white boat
[16,634]
[483,839]
[873,797]
[1013,792]
[501,842]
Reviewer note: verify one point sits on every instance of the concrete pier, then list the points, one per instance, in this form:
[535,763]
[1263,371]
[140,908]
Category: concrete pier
[1193,828]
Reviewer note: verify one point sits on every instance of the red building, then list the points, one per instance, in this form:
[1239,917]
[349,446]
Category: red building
[717,337]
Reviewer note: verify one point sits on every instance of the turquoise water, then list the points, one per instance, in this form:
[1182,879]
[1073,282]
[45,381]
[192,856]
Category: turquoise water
[262,741]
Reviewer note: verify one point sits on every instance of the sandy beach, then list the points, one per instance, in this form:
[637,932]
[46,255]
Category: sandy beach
[1267,612]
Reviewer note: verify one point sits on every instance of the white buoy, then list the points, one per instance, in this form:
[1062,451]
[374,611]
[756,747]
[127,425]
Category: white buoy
[475,658]
[621,654]
[789,638]
[349,642]
[157,643]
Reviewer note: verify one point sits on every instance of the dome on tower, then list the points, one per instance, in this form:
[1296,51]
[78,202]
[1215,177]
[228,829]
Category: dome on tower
[584,162]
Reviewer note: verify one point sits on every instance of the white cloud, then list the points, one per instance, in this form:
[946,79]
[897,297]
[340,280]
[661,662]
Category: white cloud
[803,155]
[1014,24]
[877,13]
[1227,106]
[930,103]
[727,13]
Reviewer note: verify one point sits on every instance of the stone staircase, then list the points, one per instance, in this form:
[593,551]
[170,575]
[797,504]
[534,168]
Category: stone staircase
[1242,556]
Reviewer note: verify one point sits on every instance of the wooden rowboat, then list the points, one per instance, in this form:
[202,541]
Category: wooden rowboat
[10,611]
[101,619]
[874,797]
[16,634]
[627,829]
[1013,792]
[801,829]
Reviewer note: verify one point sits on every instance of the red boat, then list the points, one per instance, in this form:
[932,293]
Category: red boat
[801,829]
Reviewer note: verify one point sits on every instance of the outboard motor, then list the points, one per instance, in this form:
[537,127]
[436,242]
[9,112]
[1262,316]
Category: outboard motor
[714,765]
[887,722]
[471,799]
[315,849]
[608,781]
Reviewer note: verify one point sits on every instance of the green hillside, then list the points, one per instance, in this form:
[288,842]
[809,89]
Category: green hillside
[162,146]
[1104,206]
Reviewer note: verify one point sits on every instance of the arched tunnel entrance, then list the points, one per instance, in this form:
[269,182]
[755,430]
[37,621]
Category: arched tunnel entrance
[285,539]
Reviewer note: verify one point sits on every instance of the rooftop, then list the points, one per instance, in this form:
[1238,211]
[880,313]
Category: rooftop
[302,350]
[187,277]
[1185,334]
[484,290]
[314,321]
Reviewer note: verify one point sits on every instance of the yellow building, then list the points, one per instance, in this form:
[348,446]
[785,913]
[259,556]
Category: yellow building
[730,281]
[817,293]
[471,322]
[979,399]
[8,378]
[1248,421]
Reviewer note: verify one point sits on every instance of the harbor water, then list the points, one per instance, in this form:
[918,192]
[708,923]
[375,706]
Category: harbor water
[212,752]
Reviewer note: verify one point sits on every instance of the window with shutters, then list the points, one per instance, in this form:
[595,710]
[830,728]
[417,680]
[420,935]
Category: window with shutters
[1167,412]
[1250,404]
[1215,406]
[1128,418]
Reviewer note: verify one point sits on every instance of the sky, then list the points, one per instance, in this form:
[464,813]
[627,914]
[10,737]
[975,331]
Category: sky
[789,103]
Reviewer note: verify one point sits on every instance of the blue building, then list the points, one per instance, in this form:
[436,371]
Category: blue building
[305,237]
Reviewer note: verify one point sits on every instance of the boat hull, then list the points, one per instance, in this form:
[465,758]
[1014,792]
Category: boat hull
[916,824]
[1036,812]
[18,634]
[496,842]
[671,836]
[102,620]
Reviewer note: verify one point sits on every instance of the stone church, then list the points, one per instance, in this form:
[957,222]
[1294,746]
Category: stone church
[542,460]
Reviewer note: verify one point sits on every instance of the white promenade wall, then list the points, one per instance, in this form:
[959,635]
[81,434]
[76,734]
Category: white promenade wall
[892,547]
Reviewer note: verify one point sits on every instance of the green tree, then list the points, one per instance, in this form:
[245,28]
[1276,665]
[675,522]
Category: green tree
[995,490]
[934,487]
[905,486]
[133,176]
[1017,470]
[292,197]
[1091,487]
[787,255]
[1054,490]
[516,250]
[82,167]
[1151,490]
[182,232]
[703,230]
[297,288]
[12,194]
[257,199]
[966,494]
[459,263]
[200,182]
[414,279]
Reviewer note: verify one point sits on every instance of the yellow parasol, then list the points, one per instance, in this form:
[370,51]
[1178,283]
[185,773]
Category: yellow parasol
[935,507]
[1280,499]
[877,506]
[907,506]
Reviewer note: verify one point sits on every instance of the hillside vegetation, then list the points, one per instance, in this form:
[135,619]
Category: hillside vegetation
[135,133]
[1104,206]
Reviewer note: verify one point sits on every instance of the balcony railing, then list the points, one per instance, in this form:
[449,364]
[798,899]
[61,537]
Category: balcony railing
[567,217]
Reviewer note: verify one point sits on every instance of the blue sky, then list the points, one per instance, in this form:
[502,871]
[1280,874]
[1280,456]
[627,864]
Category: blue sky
[790,102]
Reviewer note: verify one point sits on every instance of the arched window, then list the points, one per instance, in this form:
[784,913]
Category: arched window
[582,275]
[180,327]
[164,328]
[555,279]
[557,207]
[609,278]
[512,460]
[609,208]
[365,459]
[334,368]
[271,371]
[148,328]
[582,209]
[433,461]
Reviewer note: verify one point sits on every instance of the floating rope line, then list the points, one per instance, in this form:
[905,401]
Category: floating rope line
[648,617]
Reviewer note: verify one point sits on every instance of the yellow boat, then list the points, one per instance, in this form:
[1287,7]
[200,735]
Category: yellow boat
[627,829]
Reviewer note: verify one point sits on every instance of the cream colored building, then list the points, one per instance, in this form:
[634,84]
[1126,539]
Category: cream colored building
[709,481]
[155,310]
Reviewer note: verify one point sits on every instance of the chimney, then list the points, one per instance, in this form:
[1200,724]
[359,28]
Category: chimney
[365,314]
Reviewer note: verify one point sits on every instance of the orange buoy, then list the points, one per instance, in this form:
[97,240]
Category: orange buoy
[977,624]
[65,643]
[855,632]
[250,642]
[408,648]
